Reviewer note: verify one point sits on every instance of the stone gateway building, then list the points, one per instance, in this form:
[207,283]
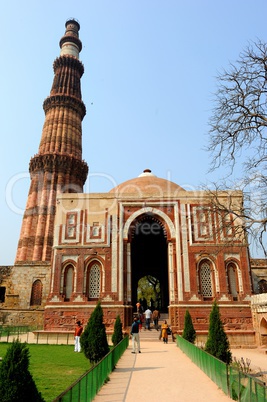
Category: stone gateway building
[76,248]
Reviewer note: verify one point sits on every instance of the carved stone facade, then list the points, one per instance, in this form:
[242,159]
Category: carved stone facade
[104,243]
[259,314]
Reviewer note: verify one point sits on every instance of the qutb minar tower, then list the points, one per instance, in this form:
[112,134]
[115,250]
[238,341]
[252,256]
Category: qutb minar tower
[58,167]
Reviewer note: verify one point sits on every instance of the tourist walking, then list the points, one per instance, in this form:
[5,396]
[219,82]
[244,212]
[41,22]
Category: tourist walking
[135,336]
[164,331]
[148,314]
[77,335]
[155,318]
[140,311]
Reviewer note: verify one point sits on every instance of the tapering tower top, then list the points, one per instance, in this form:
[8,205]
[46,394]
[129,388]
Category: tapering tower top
[70,43]
[58,166]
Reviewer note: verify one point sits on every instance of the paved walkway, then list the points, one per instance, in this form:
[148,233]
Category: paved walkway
[163,372]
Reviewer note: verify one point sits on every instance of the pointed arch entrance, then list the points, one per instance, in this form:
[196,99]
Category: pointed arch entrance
[149,256]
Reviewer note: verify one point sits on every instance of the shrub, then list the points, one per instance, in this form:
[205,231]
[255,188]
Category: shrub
[117,334]
[217,343]
[189,332]
[94,342]
[16,382]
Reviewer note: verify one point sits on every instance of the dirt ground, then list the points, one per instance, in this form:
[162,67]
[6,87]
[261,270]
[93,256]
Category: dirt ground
[254,359]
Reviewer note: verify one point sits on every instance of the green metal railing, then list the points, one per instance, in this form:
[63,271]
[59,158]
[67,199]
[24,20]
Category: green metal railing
[238,385]
[245,388]
[87,386]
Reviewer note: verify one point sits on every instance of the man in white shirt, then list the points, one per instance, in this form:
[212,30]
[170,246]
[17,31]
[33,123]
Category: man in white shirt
[148,314]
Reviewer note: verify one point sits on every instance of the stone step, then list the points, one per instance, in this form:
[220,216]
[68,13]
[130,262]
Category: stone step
[151,336]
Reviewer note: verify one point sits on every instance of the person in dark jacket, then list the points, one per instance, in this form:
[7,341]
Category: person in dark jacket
[135,336]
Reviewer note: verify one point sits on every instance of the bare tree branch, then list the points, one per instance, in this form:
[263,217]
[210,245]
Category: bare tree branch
[239,118]
[238,128]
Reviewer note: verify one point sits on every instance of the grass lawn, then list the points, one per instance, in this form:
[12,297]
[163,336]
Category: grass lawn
[53,367]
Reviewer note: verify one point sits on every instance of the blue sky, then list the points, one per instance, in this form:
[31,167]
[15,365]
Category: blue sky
[150,69]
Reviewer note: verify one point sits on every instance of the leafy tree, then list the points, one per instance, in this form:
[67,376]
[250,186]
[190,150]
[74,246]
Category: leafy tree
[217,343]
[94,342]
[238,135]
[148,288]
[16,382]
[117,334]
[189,332]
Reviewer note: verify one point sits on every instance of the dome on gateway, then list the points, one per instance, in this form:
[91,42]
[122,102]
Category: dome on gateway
[147,183]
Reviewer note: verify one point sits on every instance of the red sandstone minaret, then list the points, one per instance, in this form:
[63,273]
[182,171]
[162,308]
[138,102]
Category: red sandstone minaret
[58,166]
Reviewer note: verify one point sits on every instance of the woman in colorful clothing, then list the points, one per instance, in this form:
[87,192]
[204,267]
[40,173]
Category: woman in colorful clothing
[164,333]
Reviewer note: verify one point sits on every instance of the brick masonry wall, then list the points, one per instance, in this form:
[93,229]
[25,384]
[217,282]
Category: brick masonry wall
[18,285]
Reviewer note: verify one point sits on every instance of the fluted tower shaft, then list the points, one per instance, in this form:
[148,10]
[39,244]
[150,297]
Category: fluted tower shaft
[58,166]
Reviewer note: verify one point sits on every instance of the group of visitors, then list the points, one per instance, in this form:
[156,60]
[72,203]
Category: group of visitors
[147,315]
[135,329]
